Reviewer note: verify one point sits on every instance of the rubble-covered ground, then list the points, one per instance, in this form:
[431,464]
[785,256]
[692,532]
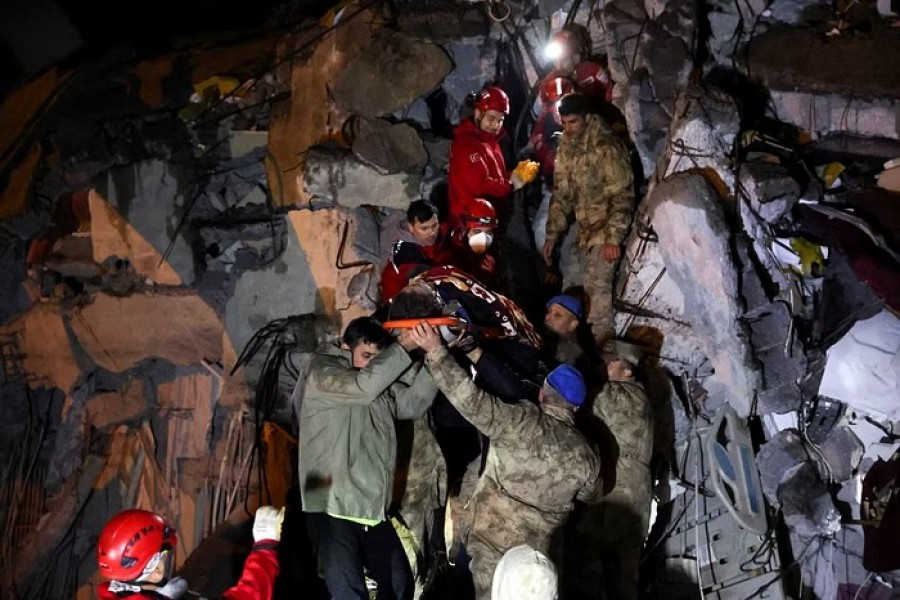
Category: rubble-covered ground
[160,216]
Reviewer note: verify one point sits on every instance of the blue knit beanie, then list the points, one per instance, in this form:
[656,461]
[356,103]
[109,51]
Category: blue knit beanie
[570,303]
[566,380]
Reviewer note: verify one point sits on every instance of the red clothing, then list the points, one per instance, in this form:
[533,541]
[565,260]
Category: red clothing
[257,580]
[482,267]
[477,170]
[406,255]
[593,81]
[543,142]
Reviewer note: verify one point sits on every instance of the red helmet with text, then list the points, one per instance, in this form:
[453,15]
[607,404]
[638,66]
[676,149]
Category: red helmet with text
[479,213]
[131,540]
[493,98]
[554,89]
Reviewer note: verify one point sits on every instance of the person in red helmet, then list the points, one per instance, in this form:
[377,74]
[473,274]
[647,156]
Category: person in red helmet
[470,242]
[570,53]
[477,166]
[543,136]
[135,554]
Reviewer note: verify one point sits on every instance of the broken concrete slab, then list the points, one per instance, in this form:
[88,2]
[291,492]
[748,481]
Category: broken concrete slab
[702,136]
[336,177]
[391,72]
[40,338]
[826,113]
[790,480]
[803,60]
[474,66]
[120,332]
[114,237]
[310,276]
[113,408]
[863,368]
[689,219]
[843,452]
[149,196]
[624,21]
[388,147]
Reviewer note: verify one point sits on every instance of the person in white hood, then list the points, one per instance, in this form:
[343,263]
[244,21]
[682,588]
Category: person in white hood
[524,574]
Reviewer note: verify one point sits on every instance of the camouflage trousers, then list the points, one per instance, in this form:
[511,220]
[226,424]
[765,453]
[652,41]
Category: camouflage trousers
[595,275]
[484,562]
[609,541]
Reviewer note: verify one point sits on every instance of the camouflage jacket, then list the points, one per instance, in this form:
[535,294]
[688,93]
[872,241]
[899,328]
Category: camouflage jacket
[624,408]
[594,185]
[347,439]
[537,466]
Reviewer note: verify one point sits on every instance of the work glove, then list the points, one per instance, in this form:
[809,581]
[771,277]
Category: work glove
[524,173]
[267,524]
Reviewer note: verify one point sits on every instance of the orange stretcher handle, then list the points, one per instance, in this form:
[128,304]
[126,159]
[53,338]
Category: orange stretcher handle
[410,323]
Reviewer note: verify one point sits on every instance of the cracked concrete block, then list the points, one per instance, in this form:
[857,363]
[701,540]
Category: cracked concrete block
[112,408]
[391,72]
[388,147]
[824,113]
[337,177]
[474,66]
[624,22]
[843,452]
[310,276]
[148,201]
[789,480]
[688,217]
[702,135]
[119,332]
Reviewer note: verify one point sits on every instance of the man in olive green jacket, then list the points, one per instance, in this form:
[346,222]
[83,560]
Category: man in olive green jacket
[354,391]
[594,188]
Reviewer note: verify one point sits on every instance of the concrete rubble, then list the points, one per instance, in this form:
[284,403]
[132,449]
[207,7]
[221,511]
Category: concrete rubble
[148,239]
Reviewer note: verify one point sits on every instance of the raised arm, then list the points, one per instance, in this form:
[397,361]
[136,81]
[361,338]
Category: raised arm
[333,379]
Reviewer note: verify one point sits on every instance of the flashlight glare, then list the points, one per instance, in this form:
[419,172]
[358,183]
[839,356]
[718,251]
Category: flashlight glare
[553,50]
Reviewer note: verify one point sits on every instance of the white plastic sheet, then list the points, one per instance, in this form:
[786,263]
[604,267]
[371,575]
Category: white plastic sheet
[863,368]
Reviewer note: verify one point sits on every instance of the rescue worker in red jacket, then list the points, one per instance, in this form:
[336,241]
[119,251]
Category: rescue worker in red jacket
[477,166]
[544,138]
[470,242]
[570,54]
[136,549]
[421,240]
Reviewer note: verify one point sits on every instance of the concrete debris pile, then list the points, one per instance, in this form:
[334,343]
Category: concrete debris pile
[161,217]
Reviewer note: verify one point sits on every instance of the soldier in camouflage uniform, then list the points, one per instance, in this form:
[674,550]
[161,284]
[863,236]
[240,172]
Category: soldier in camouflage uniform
[594,187]
[537,465]
[612,532]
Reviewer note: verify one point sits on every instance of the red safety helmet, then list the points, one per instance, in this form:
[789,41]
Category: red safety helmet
[128,542]
[554,89]
[493,98]
[479,213]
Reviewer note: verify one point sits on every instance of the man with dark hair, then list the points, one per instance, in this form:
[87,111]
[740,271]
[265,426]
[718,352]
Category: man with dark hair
[538,463]
[354,391]
[421,240]
[593,187]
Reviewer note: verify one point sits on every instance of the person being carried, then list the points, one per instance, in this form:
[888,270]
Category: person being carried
[354,391]
[135,554]
[594,188]
[538,463]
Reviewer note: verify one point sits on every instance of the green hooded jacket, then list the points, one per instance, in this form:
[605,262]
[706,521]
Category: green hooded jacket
[348,445]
